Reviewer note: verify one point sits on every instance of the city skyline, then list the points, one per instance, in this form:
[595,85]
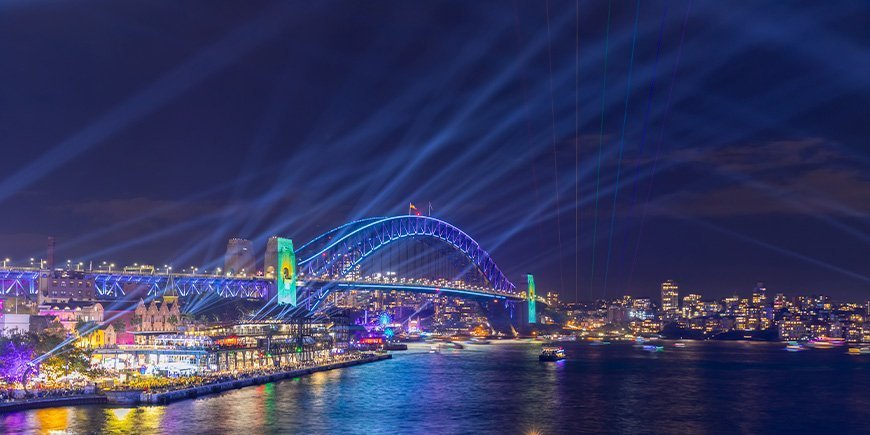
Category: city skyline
[170,155]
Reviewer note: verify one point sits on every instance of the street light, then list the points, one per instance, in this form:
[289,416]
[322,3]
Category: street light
[111,266]
[5,260]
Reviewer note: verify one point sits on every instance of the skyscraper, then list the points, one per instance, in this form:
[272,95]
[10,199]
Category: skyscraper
[239,259]
[670,298]
[759,295]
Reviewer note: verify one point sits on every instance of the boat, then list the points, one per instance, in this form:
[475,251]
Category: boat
[395,346]
[826,343]
[679,344]
[859,351]
[794,346]
[551,353]
[641,340]
[598,343]
[477,340]
[653,348]
[435,349]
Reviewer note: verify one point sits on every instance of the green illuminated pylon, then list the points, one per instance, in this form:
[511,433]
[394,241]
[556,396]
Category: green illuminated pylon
[285,274]
[532,314]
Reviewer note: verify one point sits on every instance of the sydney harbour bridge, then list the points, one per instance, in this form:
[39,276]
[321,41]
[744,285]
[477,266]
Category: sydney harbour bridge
[407,253]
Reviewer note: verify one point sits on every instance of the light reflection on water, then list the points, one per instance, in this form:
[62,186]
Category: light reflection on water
[502,388]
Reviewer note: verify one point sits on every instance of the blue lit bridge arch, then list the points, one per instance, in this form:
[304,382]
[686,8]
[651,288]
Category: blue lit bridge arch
[334,259]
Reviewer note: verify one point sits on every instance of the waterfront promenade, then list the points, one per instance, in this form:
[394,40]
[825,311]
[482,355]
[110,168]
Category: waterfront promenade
[172,393]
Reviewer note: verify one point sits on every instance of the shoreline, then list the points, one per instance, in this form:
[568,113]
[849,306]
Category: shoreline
[135,398]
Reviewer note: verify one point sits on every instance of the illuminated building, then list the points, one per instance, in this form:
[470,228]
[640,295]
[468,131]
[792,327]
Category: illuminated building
[641,308]
[239,258]
[71,312]
[13,323]
[670,299]
[792,328]
[779,302]
[759,295]
[692,306]
[101,337]
[271,257]
[617,314]
[552,300]
[65,285]
[156,317]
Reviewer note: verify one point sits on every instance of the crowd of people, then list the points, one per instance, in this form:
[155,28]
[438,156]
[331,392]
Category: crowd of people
[152,384]
[160,384]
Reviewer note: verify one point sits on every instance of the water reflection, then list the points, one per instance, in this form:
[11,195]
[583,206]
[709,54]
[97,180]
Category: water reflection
[502,388]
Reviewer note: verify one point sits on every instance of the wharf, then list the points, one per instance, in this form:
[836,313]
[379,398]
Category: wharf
[137,397]
[51,402]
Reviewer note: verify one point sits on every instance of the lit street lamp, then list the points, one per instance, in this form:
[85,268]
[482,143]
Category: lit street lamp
[5,261]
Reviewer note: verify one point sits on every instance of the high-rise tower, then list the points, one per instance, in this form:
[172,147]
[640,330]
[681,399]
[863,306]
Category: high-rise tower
[239,259]
[670,298]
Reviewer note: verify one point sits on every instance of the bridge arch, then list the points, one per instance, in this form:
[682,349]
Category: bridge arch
[344,253]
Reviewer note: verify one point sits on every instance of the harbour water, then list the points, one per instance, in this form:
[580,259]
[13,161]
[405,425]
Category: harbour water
[704,387]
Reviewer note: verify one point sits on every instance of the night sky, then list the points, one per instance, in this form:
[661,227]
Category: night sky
[713,143]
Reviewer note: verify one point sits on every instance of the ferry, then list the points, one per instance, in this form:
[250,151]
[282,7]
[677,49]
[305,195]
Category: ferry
[476,340]
[679,344]
[653,348]
[551,353]
[598,343]
[859,351]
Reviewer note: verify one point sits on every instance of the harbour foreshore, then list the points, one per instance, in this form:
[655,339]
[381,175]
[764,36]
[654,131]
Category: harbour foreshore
[139,397]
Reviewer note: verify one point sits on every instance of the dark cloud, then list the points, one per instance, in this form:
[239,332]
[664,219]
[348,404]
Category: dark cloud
[797,177]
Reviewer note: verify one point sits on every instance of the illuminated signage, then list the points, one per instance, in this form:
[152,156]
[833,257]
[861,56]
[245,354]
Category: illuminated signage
[532,314]
[371,340]
[285,279]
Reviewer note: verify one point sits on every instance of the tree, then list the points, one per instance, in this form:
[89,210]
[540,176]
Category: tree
[16,354]
[120,326]
[172,320]
[136,321]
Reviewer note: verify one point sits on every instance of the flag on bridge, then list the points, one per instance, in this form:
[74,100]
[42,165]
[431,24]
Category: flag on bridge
[412,209]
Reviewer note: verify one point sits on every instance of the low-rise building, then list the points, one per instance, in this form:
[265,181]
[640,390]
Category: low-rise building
[72,312]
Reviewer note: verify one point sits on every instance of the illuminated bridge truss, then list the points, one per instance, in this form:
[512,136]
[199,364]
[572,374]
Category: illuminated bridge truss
[113,285]
[17,282]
